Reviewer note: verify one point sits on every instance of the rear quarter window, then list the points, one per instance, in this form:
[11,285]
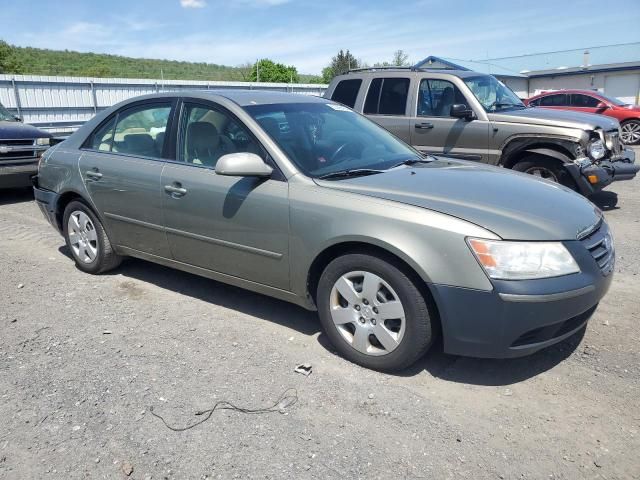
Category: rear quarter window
[346,92]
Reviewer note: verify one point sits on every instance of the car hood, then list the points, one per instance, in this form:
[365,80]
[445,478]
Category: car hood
[19,130]
[512,205]
[561,118]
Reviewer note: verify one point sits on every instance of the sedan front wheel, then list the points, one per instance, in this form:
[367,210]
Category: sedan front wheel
[373,313]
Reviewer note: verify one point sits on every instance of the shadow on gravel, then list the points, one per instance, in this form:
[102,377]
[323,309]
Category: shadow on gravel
[217,293]
[605,200]
[475,371]
[491,372]
[16,195]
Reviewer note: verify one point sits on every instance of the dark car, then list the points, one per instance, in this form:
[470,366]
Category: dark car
[589,101]
[21,146]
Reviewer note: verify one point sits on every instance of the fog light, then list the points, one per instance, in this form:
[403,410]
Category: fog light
[593,178]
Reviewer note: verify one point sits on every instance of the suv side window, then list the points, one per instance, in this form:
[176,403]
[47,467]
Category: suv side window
[435,98]
[387,96]
[584,101]
[557,100]
[207,133]
[141,130]
[346,92]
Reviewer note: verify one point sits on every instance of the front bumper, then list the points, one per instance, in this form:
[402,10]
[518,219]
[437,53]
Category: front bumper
[14,176]
[518,318]
[593,178]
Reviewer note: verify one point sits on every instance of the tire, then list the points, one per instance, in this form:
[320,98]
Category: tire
[364,330]
[546,168]
[630,132]
[87,241]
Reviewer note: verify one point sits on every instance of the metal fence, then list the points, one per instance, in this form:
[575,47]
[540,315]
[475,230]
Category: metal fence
[60,104]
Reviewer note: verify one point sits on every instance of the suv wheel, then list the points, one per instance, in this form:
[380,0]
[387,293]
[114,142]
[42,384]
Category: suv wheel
[630,132]
[543,167]
[373,313]
[87,240]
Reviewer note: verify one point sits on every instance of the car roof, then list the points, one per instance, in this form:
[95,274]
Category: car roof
[239,96]
[555,92]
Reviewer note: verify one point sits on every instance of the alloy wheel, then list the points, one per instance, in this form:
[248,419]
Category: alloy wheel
[630,132]
[367,312]
[83,238]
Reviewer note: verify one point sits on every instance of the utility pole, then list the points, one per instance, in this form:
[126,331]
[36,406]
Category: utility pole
[258,71]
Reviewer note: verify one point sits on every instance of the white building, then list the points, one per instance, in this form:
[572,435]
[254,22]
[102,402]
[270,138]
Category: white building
[613,70]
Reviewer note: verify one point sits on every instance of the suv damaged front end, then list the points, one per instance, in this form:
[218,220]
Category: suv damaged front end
[601,160]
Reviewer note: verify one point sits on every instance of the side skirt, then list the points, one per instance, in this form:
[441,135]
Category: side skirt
[220,277]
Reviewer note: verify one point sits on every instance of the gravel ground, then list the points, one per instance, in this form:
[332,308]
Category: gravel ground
[82,358]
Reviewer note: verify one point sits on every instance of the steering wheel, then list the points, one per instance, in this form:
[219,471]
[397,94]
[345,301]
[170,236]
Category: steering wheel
[341,150]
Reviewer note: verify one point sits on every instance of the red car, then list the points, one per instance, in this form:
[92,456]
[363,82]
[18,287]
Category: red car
[594,102]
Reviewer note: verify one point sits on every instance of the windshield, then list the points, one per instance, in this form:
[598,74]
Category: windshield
[493,94]
[324,138]
[5,115]
[614,100]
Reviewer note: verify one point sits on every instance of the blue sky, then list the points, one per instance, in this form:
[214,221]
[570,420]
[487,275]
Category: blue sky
[308,33]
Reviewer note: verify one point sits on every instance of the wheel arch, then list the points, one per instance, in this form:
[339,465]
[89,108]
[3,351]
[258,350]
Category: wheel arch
[386,252]
[63,200]
[519,148]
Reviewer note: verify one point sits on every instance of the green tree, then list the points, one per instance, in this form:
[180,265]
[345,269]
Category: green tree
[269,71]
[9,61]
[400,59]
[340,64]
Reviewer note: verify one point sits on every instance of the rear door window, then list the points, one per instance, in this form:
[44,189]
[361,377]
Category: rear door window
[557,100]
[387,96]
[583,101]
[346,92]
[141,130]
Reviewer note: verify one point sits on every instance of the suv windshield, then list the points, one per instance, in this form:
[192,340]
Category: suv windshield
[5,115]
[493,94]
[325,138]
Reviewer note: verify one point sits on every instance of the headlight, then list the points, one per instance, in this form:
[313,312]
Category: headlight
[43,141]
[504,260]
[597,150]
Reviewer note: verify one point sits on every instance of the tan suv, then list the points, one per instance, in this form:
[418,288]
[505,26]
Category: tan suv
[473,116]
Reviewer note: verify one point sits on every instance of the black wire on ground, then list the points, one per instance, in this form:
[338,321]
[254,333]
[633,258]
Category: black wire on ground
[288,398]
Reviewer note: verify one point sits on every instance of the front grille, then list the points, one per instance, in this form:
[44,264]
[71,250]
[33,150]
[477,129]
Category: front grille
[612,140]
[600,245]
[18,149]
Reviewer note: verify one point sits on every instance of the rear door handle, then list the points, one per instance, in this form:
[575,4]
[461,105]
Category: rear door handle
[424,126]
[93,174]
[175,190]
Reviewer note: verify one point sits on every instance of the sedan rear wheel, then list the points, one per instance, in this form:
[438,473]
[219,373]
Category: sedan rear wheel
[630,132]
[87,240]
[373,313]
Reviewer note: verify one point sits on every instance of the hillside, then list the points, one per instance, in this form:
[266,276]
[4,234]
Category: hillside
[38,61]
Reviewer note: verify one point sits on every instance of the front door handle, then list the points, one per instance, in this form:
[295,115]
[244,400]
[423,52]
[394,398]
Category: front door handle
[93,174]
[424,126]
[175,190]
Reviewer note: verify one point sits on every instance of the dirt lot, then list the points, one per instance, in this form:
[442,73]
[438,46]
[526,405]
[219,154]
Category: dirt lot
[82,358]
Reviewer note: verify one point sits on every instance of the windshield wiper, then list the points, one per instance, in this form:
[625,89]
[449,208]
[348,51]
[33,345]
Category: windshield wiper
[356,172]
[413,161]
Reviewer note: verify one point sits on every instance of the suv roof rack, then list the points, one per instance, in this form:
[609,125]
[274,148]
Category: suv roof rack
[398,68]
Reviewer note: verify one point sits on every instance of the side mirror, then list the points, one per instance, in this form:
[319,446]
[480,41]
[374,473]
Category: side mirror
[242,164]
[602,106]
[18,118]
[460,110]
